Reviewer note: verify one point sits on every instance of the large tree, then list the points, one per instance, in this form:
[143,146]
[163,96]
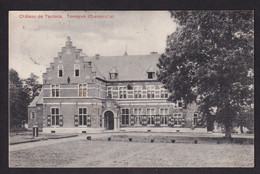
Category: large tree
[209,59]
[19,100]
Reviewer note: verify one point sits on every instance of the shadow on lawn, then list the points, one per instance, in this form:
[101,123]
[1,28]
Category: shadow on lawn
[178,139]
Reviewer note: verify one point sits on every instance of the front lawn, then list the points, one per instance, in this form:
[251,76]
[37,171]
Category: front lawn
[89,153]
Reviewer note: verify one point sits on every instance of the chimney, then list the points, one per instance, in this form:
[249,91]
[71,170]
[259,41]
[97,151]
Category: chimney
[68,43]
[97,56]
[154,52]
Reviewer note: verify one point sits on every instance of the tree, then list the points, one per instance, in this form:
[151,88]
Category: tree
[209,60]
[19,100]
[32,86]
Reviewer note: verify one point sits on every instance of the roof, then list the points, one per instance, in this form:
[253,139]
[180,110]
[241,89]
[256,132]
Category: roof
[131,67]
[37,100]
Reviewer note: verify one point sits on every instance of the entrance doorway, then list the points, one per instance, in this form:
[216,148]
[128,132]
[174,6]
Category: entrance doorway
[109,120]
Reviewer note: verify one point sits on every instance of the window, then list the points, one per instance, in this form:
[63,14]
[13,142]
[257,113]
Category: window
[164,93]
[113,76]
[137,114]
[177,119]
[125,117]
[109,92]
[32,115]
[150,91]
[138,92]
[151,75]
[76,70]
[55,90]
[82,90]
[151,114]
[195,118]
[89,64]
[164,112]
[115,92]
[55,117]
[82,116]
[60,71]
[122,92]
[179,104]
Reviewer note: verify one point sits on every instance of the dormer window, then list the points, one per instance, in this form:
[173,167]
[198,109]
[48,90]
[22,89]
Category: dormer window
[113,74]
[76,70]
[60,71]
[151,75]
[151,72]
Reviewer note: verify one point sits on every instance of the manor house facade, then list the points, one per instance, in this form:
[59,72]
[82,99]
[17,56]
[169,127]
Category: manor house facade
[91,94]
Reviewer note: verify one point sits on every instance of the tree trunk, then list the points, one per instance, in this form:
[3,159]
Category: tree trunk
[228,131]
[241,129]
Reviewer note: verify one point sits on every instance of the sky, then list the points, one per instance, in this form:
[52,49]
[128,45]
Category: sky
[35,41]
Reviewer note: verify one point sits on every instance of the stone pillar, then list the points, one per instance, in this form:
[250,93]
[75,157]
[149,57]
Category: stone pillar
[103,122]
[115,122]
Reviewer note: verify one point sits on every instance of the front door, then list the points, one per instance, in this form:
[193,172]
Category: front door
[109,120]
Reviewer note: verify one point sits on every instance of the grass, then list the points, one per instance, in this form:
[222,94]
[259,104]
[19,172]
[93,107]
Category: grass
[85,153]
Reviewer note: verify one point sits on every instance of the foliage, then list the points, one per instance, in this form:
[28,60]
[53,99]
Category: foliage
[21,93]
[209,60]
[32,86]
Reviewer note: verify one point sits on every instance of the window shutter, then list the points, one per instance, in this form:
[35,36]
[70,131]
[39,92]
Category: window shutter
[61,120]
[144,120]
[132,120]
[48,120]
[183,121]
[88,120]
[76,120]
[157,120]
[171,121]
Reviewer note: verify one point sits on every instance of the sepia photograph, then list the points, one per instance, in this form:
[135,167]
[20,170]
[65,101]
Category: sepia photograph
[131,89]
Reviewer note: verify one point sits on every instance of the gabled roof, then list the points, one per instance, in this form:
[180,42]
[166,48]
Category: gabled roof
[37,100]
[128,67]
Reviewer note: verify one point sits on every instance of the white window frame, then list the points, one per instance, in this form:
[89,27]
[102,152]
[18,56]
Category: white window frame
[55,117]
[150,115]
[86,86]
[178,117]
[60,67]
[164,92]
[33,115]
[115,90]
[152,91]
[164,115]
[197,117]
[110,88]
[56,87]
[125,116]
[124,92]
[139,91]
[83,115]
[76,67]
[138,115]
